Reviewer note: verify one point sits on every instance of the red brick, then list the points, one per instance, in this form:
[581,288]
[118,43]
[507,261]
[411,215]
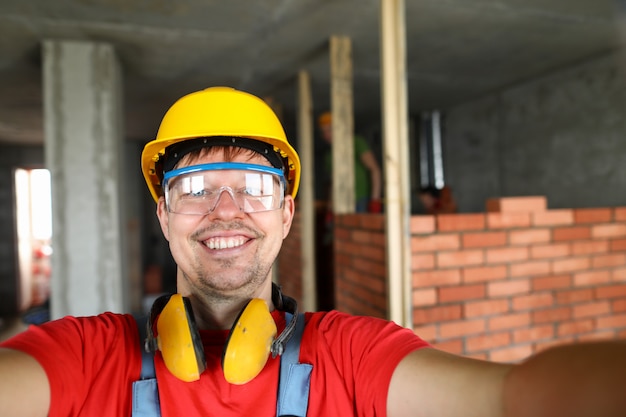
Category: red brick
[618,275]
[516,204]
[595,215]
[552,315]
[533,301]
[617,245]
[460,258]
[620,214]
[361,236]
[487,341]
[507,220]
[618,306]
[484,273]
[459,222]
[484,239]
[602,261]
[427,332]
[436,277]
[574,296]
[373,253]
[509,321]
[529,236]
[590,247]
[591,309]
[611,322]
[556,250]
[551,282]
[367,267]
[601,231]
[511,354]
[553,218]
[582,279]
[348,220]
[451,346]
[461,293]
[436,314]
[507,255]
[422,261]
[571,265]
[372,222]
[524,269]
[422,225]
[485,307]
[611,291]
[461,328]
[507,288]
[570,233]
[575,327]
[431,243]
[533,334]
[424,297]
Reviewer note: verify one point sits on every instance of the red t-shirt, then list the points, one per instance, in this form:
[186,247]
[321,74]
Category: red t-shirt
[92,362]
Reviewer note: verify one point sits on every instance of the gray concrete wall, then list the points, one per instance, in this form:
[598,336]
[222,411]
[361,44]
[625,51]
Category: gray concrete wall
[562,136]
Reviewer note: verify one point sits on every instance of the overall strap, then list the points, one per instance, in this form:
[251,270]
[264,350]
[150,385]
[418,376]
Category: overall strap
[145,391]
[295,377]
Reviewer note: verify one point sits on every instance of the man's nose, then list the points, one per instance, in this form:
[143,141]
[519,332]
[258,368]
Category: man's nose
[226,203]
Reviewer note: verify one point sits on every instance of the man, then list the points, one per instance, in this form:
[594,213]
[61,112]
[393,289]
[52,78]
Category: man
[224,178]
[367,173]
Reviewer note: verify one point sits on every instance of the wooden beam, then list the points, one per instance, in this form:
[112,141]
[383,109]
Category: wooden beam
[343,198]
[306,195]
[396,160]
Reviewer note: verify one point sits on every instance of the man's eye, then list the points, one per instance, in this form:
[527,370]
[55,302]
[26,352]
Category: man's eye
[255,192]
[197,193]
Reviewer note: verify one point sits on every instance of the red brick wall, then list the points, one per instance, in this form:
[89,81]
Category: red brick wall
[360,267]
[503,285]
[499,285]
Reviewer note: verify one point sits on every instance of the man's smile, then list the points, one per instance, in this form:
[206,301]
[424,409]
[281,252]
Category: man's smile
[225,242]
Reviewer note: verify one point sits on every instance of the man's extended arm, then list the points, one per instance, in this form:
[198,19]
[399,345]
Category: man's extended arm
[576,380]
[24,388]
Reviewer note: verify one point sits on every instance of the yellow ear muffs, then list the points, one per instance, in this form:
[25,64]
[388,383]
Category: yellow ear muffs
[251,340]
[177,337]
[249,343]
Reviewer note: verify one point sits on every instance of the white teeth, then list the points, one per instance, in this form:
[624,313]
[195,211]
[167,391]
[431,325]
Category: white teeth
[225,242]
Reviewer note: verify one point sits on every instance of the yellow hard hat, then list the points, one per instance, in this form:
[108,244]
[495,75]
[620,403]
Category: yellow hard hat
[218,112]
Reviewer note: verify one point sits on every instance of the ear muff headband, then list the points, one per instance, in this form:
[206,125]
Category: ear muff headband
[251,340]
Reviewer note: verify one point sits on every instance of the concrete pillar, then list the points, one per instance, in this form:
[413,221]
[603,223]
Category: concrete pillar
[83,135]
[396,169]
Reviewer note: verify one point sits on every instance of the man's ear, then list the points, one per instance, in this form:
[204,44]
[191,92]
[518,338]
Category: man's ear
[289,208]
[162,215]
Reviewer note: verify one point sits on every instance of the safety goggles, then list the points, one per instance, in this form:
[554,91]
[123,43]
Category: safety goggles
[198,189]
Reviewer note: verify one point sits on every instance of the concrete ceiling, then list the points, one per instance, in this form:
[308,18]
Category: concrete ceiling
[457,50]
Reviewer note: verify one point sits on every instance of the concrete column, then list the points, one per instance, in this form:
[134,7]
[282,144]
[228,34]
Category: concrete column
[307,191]
[397,178]
[83,135]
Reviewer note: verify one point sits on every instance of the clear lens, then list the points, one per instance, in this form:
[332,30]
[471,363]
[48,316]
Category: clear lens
[198,189]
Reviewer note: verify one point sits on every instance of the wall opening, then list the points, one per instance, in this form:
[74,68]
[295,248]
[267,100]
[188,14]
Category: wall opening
[34,233]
